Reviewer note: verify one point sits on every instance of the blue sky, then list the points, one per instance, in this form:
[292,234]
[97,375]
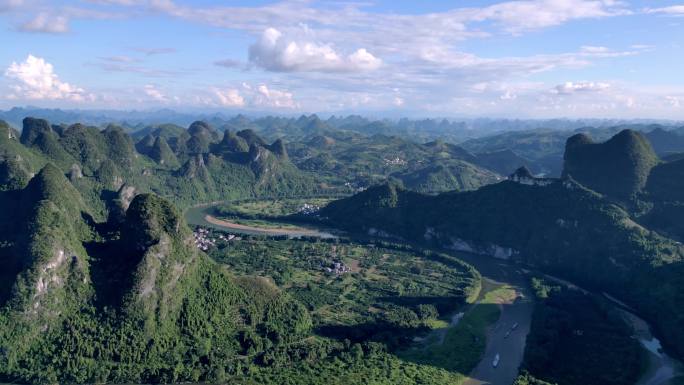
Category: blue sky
[526,58]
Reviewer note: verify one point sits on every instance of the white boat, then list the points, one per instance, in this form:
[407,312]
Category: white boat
[495,363]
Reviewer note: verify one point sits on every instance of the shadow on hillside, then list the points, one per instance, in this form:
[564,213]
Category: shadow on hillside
[457,349]
[11,267]
[111,271]
[391,335]
[443,305]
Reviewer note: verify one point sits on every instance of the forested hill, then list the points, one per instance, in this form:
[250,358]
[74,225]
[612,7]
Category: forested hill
[186,166]
[129,300]
[202,163]
[618,167]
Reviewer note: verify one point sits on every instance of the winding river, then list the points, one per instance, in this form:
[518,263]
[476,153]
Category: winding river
[203,216]
[661,367]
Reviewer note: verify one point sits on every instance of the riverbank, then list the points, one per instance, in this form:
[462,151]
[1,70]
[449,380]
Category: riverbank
[202,216]
[290,231]
[661,369]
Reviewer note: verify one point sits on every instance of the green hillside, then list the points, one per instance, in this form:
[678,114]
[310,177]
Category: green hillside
[618,167]
[561,228]
[136,303]
[186,166]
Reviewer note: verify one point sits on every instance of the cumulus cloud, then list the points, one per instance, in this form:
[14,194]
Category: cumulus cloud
[230,98]
[154,93]
[267,97]
[259,96]
[46,23]
[569,88]
[673,101]
[275,52]
[35,79]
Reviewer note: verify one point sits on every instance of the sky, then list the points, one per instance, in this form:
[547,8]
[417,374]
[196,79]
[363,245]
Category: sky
[521,59]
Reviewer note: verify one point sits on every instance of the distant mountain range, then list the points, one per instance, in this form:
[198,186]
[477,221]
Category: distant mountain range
[421,130]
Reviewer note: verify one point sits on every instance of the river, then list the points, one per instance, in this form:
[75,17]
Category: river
[202,216]
[661,367]
[510,348]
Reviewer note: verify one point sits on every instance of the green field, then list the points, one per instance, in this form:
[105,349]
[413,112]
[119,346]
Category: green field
[390,298]
[381,285]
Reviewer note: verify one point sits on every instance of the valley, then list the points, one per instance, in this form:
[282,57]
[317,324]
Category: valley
[316,192]
[503,301]
[500,336]
[401,263]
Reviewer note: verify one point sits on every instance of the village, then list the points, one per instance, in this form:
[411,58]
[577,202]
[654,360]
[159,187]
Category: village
[206,239]
[337,268]
[309,209]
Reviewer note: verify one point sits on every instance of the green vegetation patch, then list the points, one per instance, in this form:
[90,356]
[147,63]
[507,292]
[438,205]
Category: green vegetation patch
[578,338]
[460,347]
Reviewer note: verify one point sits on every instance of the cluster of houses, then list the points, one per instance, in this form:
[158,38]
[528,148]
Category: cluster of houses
[205,239]
[354,186]
[308,209]
[396,161]
[337,268]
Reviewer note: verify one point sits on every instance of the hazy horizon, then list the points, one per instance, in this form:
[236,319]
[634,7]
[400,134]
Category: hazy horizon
[183,116]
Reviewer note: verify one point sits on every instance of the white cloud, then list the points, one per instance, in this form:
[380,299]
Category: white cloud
[508,95]
[605,52]
[120,59]
[56,19]
[276,52]
[46,23]
[519,16]
[674,10]
[154,93]
[593,49]
[569,88]
[230,98]
[513,16]
[258,96]
[35,79]
[398,101]
[266,97]
[673,101]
